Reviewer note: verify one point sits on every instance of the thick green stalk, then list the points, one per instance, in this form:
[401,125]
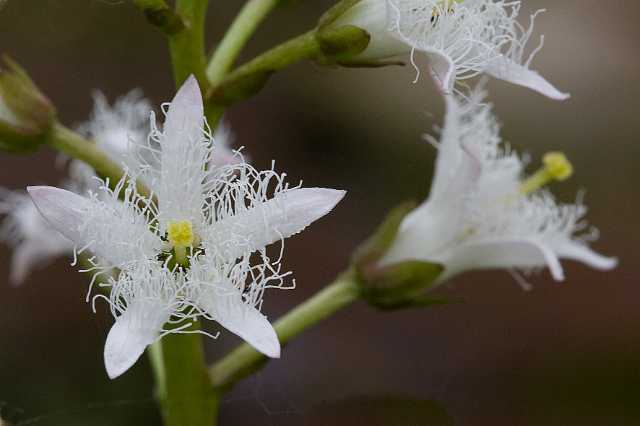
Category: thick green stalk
[76,146]
[240,31]
[329,46]
[182,385]
[250,77]
[187,46]
[244,360]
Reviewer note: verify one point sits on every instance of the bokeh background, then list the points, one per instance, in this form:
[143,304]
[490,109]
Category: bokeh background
[563,354]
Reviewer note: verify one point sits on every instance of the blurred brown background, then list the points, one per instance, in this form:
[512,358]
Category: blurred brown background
[562,354]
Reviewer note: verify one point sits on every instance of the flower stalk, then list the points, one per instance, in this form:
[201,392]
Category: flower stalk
[182,386]
[326,47]
[74,145]
[244,360]
[187,46]
[238,34]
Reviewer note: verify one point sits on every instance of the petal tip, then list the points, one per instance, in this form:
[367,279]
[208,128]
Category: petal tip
[332,196]
[37,190]
[608,263]
[190,88]
[267,341]
[271,348]
[560,96]
[122,349]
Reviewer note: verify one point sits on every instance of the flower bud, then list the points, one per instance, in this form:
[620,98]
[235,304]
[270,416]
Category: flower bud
[359,29]
[25,113]
[371,16]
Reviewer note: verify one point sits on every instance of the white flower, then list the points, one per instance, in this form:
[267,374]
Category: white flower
[480,213]
[119,129]
[461,38]
[33,240]
[200,249]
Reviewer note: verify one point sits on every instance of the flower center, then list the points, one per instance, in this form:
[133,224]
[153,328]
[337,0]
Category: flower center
[555,167]
[180,235]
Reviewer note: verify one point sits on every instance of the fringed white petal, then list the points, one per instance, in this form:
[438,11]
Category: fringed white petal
[286,214]
[184,155]
[581,253]
[223,154]
[443,70]
[33,239]
[138,327]
[502,253]
[63,209]
[512,72]
[30,254]
[469,132]
[225,305]
[119,129]
[427,233]
[114,230]
[185,117]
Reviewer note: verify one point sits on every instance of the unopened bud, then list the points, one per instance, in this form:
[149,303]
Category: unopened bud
[357,29]
[25,113]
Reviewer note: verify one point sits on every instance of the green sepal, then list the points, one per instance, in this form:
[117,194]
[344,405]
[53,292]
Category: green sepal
[400,285]
[340,44]
[335,12]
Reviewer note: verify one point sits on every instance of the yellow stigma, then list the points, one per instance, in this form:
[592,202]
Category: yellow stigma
[556,166]
[180,233]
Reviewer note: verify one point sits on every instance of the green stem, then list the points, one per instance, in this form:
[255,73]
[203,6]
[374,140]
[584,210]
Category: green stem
[76,146]
[240,31]
[182,386]
[187,46]
[250,77]
[160,15]
[329,46]
[244,360]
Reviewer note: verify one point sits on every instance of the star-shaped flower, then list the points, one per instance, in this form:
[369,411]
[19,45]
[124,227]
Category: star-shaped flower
[461,38]
[197,248]
[482,214]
